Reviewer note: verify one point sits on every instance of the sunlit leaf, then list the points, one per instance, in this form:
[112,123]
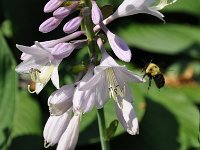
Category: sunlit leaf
[164,38]
[27,123]
[8,86]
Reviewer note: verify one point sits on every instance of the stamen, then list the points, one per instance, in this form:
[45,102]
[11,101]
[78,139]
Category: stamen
[46,144]
[114,88]
[29,89]
[34,73]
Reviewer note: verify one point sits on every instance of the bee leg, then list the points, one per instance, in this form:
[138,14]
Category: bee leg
[150,79]
[144,76]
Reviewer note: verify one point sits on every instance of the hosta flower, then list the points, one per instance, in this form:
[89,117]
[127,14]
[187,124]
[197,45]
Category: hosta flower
[52,5]
[119,47]
[64,11]
[72,25]
[61,100]
[40,63]
[55,127]
[83,101]
[132,7]
[112,79]
[70,137]
[50,24]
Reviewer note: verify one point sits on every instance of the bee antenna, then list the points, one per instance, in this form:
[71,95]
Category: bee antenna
[151,60]
[143,60]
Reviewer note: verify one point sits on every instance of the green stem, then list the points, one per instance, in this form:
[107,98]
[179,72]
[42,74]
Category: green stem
[102,129]
[88,26]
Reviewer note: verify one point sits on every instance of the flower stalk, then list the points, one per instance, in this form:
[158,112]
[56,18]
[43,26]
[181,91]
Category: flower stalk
[88,25]
[102,129]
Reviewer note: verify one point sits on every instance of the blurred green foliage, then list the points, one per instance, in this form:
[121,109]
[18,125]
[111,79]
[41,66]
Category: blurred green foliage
[169,118]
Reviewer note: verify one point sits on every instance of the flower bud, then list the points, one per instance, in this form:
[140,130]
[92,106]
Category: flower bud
[55,127]
[49,24]
[70,137]
[119,47]
[61,100]
[62,50]
[72,25]
[52,5]
[97,16]
[63,12]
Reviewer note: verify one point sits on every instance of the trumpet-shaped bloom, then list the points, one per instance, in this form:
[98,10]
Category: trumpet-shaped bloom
[112,79]
[119,47]
[55,127]
[61,100]
[83,101]
[40,64]
[70,137]
[132,7]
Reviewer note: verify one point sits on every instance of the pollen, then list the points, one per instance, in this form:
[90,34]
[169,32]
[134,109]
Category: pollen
[38,76]
[115,90]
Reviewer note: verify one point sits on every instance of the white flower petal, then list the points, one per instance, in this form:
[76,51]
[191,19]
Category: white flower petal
[55,78]
[32,50]
[107,60]
[26,65]
[127,117]
[39,87]
[129,76]
[90,101]
[55,127]
[61,100]
[92,82]
[70,137]
[102,93]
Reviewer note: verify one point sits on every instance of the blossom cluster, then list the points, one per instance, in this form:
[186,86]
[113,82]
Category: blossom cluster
[93,87]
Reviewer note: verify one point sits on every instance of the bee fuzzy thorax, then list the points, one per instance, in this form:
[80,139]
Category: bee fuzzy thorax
[152,69]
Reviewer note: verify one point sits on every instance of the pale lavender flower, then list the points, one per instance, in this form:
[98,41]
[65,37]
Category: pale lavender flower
[119,47]
[132,7]
[70,137]
[63,50]
[52,5]
[50,24]
[72,25]
[54,128]
[64,11]
[83,101]
[40,64]
[61,100]
[97,16]
[112,79]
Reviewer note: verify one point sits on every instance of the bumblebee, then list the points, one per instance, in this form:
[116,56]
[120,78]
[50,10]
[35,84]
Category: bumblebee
[153,72]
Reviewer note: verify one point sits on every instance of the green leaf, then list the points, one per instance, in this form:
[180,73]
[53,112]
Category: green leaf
[27,123]
[6,28]
[184,113]
[110,131]
[8,86]
[164,38]
[187,6]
